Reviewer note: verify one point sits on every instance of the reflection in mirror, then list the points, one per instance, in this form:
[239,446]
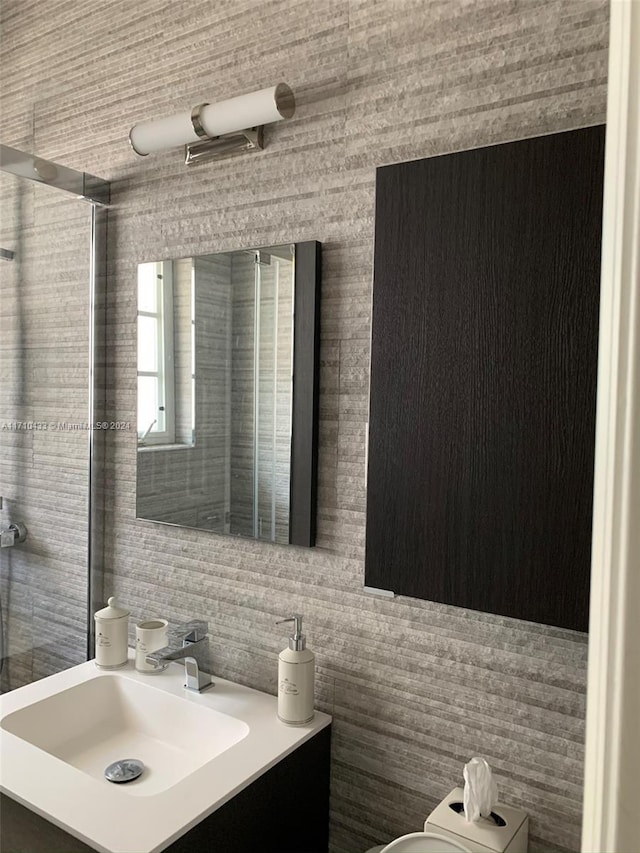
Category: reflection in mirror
[165,353]
[216,402]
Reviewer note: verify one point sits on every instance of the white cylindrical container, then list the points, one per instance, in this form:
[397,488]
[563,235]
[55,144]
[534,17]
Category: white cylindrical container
[112,626]
[296,678]
[151,635]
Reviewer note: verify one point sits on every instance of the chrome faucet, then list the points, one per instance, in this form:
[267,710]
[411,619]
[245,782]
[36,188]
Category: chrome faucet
[194,651]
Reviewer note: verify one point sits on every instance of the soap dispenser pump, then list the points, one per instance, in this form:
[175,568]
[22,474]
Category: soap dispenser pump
[296,674]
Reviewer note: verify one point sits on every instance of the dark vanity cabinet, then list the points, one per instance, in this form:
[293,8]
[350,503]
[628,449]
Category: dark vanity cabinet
[483,377]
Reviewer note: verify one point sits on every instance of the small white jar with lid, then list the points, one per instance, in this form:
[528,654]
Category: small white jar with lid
[112,633]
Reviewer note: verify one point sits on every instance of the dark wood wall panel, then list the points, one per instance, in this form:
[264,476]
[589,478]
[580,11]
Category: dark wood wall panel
[483,377]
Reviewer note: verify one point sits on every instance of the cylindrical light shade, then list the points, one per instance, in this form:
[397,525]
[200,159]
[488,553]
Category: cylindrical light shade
[169,132]
[245,111]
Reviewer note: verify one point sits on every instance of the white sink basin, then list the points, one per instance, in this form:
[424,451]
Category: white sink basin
[111,717]
[59,734]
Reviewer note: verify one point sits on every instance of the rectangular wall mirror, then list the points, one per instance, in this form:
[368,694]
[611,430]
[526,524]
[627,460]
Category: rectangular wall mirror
[228,392]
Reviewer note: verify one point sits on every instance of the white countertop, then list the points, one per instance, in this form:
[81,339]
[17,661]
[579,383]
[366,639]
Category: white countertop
[107,818]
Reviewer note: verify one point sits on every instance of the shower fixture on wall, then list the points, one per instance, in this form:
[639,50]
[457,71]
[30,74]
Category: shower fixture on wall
[209,131]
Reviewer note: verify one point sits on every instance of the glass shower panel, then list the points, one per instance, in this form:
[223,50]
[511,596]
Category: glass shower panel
[44,434]
[264,403]
[244,329]
[273,399]
[261,382]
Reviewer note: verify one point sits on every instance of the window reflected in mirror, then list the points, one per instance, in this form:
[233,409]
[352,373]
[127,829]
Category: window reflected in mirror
[165,353]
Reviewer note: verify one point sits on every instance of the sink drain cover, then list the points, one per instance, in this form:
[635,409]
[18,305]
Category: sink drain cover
[125,770]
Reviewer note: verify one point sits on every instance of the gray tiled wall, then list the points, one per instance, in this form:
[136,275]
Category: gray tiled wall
[415,688]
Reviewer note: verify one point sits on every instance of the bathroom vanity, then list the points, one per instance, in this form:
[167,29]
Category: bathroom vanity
[221,771]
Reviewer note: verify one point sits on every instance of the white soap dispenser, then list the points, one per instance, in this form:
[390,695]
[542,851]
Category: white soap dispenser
[112,631]
[296,673]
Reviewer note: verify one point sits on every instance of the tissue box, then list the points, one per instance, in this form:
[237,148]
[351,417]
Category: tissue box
[512,837]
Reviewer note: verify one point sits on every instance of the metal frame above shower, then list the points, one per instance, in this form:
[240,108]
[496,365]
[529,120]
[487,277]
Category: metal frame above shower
[80,184]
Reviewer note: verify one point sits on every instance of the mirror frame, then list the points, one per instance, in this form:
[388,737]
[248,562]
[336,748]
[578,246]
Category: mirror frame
[303,476]
[303,481]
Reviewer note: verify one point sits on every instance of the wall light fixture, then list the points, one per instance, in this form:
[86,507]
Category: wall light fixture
[214,130]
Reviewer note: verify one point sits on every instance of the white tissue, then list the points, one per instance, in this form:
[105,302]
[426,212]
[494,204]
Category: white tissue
[480,790]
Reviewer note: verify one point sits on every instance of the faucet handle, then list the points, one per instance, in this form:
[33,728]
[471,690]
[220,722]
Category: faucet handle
[190,632]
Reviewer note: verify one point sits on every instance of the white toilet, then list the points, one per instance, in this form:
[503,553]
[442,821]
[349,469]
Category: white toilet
[447,831]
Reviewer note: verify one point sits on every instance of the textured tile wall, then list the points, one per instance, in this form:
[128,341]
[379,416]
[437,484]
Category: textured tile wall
[415,688]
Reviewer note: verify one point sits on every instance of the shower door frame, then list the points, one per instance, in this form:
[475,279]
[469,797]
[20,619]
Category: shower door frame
[96,192]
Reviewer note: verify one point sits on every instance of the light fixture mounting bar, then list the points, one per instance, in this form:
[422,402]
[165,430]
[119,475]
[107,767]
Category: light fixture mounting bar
[223,146]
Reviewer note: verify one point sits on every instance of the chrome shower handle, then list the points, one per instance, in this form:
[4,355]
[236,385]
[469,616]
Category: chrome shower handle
[14,534]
